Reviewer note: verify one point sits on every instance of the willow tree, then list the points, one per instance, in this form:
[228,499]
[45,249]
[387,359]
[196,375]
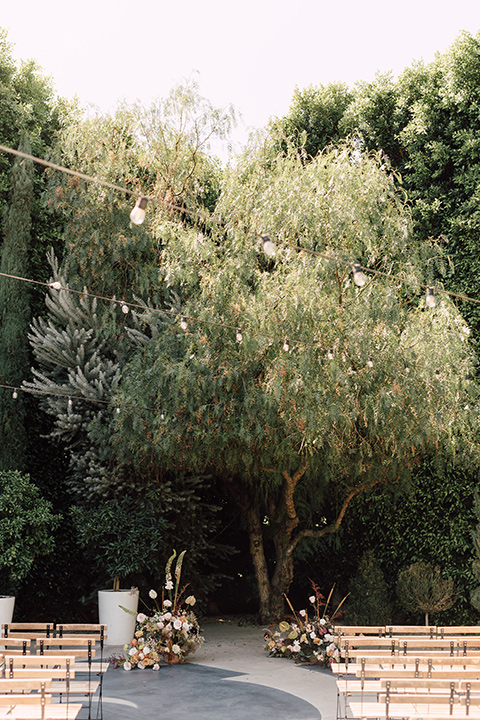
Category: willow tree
[283,377]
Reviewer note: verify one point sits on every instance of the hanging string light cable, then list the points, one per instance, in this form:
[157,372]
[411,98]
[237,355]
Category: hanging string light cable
[71,398]
[141,202]
[269,246]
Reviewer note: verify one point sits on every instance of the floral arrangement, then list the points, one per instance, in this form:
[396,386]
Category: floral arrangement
[169,632]
[309,636]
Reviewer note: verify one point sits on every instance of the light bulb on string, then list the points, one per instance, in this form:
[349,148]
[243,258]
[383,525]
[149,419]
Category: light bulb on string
[430,301]
[183,323]
[55,285]
[15,394]
[162,415]
[358,276]
[268,246]
[330,354]
[286,345]
[437,374]
[407,369]
[125,308]
[370,362]
[70,403]
[238,335]
[137,216]
[117,409]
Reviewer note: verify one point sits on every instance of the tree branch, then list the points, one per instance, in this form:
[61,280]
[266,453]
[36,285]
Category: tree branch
[333,528]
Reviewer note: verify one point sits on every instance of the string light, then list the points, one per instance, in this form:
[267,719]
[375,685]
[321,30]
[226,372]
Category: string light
[286,345]
[137,216]
[183,323]
[370,362]
[239,336]
[162,415]
[266,240]
[117,409]
[430,301]
[407,369]
[70,403]
[268,246]
[358,276]
[15,394]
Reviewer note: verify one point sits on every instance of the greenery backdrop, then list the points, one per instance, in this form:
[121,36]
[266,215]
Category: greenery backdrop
[317,459]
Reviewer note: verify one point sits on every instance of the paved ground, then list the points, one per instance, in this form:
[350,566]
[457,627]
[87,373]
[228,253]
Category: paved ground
[230,677]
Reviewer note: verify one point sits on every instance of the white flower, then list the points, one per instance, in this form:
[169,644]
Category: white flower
[313,634]
[133,651]
[169,585]
[302,612]
[141,617]
[160,625]
[141,666]
[312,599]
[127,665]
[186,626]
[190,600]
[323,621]
[153,594]
[167,603]
[177,624]
[176,649]
[156,667]
[141,655]
[167,616]
[296,646]
[327,637]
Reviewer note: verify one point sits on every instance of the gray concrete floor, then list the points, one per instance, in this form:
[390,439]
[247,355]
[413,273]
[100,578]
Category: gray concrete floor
[229,677]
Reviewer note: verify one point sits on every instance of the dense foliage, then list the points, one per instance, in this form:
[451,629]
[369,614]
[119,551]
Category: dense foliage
[277,379]
[26,527]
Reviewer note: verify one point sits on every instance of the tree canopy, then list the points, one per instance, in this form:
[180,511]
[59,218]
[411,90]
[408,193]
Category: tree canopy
[287,380]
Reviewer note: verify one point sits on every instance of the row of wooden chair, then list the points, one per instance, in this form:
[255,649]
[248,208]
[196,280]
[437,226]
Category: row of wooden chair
[415,698]
[94,631]
[409,676]
[432,631]
[45,660]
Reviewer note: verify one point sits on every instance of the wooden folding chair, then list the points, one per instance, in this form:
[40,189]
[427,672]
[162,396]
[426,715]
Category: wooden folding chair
[28,630]
[15,645]
[97,633]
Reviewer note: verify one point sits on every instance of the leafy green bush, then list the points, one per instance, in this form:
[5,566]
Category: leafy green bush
[368,603]
[120,535]
[421,587]
[25,530]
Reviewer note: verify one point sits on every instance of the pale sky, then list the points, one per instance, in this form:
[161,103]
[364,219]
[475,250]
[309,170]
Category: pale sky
[251,54]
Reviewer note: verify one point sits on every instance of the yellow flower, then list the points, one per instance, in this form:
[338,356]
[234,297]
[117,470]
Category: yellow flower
[292,635]
[271,644]
[303,638]
[316,641]
[284,626]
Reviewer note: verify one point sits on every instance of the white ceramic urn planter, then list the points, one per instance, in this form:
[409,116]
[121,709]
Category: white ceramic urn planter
[120,624]
[7,603]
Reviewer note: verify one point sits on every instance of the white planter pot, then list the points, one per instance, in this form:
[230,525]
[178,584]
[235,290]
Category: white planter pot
[120,624]
[7,603]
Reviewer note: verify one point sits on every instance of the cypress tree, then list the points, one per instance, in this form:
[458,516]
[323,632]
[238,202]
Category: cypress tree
[15,314]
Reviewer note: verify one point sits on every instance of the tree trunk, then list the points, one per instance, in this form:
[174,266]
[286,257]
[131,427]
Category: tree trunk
[254,529]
